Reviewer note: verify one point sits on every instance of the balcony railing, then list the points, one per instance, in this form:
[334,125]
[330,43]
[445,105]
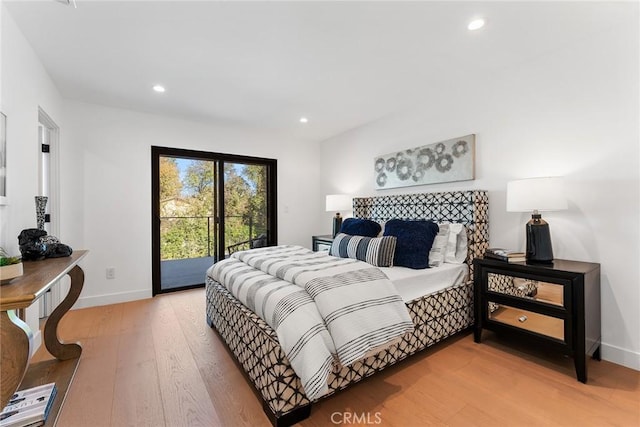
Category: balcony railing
[184,237]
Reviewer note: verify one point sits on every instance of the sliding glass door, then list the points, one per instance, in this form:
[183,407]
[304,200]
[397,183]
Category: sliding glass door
[245,202]
[187,220]
[205,207]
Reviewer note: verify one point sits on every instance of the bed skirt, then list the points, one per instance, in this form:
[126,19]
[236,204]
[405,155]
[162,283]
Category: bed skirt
[255,346]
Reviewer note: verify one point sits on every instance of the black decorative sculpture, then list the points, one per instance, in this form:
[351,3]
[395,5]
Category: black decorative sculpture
[35,244]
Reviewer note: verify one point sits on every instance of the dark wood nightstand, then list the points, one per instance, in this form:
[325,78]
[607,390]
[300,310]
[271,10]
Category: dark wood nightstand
[554,304]
[321,243]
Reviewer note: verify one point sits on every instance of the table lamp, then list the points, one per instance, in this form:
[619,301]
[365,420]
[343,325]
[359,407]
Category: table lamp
[535,195]
[336,203]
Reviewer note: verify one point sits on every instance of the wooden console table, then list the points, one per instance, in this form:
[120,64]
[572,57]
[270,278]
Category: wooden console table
[38,278]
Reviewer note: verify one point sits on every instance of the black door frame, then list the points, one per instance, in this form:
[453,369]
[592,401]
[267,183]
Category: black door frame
[221,158]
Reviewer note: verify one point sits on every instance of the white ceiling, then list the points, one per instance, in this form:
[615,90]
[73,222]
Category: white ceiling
[265,64]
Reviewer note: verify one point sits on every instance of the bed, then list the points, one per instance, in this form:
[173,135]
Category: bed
[436,316]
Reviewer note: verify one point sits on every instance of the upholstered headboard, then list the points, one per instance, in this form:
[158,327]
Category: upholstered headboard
[470,208]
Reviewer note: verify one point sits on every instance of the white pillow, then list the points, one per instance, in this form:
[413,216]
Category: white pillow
[436,254]
[456,251]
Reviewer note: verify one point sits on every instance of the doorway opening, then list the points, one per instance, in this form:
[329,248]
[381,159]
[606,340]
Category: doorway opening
[205,206]
[48,173]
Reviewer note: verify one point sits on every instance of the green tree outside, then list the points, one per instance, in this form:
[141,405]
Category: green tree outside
[187,207]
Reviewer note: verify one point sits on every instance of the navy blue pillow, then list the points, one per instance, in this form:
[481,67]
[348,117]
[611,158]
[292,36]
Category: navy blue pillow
[414,241]
[360,227]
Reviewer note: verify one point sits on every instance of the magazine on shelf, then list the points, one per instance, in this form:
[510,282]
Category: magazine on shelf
[505,255]
[29,407]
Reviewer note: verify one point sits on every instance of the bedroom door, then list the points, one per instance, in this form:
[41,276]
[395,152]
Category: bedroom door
[205,207]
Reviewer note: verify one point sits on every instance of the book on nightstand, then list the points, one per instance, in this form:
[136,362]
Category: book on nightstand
[29,407]
[505,255]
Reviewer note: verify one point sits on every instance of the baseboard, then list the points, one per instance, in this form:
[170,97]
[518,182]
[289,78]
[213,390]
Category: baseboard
[105,299]
[620,356]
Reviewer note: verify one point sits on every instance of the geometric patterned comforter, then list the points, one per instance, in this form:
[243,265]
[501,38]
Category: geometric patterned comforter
[324,309]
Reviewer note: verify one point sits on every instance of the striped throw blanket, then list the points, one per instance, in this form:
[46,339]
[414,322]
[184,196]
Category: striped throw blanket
[322,308]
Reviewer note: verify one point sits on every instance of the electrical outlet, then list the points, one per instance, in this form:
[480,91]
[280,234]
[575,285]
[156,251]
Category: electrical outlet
[111,272]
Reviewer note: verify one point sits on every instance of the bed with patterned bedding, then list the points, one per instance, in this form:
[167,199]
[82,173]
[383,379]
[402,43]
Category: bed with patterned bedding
[255,343]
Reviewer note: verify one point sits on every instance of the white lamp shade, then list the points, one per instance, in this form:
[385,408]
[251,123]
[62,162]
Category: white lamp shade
[338,203]
[542,194]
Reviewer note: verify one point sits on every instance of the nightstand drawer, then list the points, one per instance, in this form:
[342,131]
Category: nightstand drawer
[321,243]
[322,247]
[529,321]
[528,289]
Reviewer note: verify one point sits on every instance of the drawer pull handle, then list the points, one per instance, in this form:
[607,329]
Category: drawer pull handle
[522,319]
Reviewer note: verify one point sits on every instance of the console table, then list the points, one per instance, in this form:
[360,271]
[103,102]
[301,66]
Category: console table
[22,292]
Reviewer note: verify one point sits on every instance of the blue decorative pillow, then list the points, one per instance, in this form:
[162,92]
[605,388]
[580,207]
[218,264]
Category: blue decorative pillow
[360,227]
[414,241]
[377,251]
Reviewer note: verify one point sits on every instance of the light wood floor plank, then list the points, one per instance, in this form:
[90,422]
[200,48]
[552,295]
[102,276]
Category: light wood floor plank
[137,397]
[162,351]
[238,405]
[184,395]
[138,316]
[100,321]
[93,385]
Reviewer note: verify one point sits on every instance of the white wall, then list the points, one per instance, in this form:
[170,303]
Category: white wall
[25,87]
[573,112]
[106,178]
[1,37]
[105,174]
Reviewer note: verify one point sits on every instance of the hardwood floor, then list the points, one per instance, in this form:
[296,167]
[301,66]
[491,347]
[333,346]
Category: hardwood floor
[156,362]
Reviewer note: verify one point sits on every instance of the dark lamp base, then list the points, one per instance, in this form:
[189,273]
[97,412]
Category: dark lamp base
[539,248]
[337,224]
[535,261]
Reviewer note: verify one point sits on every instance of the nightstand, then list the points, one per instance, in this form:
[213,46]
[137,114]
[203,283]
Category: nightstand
[321,243]
[553,304]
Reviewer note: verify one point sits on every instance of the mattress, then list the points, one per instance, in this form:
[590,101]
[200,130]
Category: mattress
[413,284]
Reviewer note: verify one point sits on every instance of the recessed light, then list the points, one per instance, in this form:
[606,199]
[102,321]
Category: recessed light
[158,88]
[476,24]
[304,120]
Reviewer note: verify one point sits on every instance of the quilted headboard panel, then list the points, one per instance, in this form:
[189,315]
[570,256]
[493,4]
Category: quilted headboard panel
[470,208]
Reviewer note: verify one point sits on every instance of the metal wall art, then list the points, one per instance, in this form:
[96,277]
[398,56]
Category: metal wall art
[446,161]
